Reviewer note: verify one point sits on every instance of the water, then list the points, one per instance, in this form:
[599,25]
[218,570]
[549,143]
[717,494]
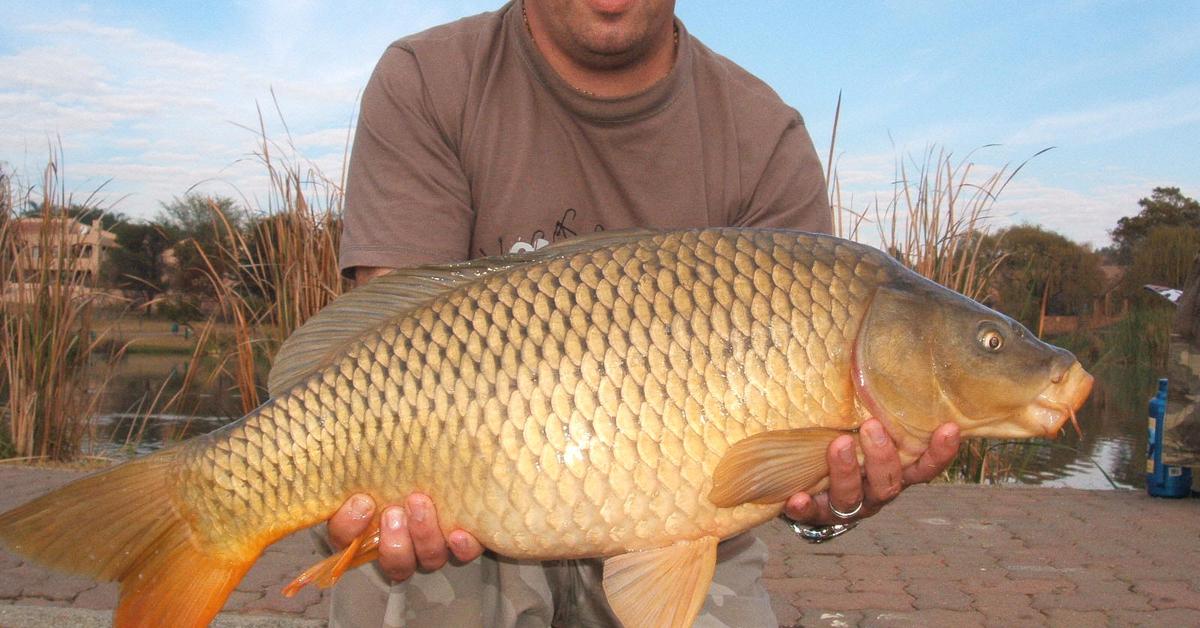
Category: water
[1111,453]
[126,426]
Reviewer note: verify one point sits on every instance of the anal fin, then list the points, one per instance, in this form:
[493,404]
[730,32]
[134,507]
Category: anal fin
[663,587]
[771,466]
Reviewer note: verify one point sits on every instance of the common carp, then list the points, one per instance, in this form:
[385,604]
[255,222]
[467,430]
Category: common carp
[636,396]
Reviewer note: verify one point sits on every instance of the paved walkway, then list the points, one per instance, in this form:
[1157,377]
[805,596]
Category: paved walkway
[939,556]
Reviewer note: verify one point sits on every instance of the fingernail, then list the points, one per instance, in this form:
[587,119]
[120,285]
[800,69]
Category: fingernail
[394,518]
[876,433]
[459,542]
[361,507]
[420,510]
[846,453]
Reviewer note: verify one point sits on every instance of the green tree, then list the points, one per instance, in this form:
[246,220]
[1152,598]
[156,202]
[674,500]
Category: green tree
[200,227]
[1164,257]
[136,265]
[1038,266]
[1165,207]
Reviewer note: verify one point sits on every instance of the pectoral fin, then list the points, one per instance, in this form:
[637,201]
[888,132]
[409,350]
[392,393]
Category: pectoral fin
[771,466]
[663,587]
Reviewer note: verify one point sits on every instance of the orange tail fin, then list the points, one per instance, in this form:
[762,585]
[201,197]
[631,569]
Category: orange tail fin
[121,524]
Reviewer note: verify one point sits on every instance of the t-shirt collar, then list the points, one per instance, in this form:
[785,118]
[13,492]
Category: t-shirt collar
[623,109]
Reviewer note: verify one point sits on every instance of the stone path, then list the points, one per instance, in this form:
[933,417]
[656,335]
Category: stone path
[939,556]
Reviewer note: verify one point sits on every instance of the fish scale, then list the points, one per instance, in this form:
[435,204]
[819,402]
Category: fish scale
[579,403]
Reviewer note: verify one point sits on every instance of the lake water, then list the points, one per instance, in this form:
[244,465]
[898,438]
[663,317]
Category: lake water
[128,422]
[1111,453]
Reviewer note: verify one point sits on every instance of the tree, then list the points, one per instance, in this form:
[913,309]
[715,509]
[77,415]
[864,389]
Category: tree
[201,227]
[1042,272]
[1165,207]
[1164,256]
[136,265]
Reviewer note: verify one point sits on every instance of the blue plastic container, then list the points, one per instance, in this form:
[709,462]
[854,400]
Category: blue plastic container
[1163,480]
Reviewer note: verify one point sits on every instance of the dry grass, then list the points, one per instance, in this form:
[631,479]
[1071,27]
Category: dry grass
[935,219]
[53,374]
[286,261]
[47,334]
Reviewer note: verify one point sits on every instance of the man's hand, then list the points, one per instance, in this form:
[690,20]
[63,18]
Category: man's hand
[883,478]
[409,535]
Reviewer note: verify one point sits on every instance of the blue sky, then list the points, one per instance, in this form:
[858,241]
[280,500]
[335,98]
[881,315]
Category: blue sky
[153,97]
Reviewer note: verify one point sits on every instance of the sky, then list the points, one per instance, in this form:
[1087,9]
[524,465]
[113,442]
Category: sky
[145,101]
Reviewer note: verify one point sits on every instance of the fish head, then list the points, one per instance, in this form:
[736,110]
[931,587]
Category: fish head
[926,355]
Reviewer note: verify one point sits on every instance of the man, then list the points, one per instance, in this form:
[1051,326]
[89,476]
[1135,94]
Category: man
[506,131]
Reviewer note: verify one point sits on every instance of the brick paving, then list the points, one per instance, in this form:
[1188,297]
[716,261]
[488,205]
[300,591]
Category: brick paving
[939,556]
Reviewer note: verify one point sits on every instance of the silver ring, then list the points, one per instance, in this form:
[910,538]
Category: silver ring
[844,515]
[820,534]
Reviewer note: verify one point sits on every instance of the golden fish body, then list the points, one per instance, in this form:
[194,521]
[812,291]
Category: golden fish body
[636,396]
[577,407]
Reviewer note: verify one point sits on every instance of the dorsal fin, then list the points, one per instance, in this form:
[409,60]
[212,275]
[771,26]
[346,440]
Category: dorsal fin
[330,333]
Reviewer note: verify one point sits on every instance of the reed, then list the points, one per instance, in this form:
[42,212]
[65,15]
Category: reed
[47,336]
[935,219]
[286,262]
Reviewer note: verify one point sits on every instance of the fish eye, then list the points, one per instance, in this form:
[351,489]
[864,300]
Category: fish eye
[991,339]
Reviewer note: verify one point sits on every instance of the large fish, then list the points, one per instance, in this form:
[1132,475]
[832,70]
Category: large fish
[637,396]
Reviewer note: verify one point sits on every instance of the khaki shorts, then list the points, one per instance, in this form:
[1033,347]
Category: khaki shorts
[497,592]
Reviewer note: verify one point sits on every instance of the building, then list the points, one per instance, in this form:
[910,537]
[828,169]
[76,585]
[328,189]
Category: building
[60,250]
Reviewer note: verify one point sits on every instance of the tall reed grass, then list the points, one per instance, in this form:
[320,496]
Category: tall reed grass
[47,335]
[286,261]
[935,219]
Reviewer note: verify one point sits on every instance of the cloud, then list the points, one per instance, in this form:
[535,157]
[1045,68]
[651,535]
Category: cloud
[1084,215]
[1113,121]
[154,116]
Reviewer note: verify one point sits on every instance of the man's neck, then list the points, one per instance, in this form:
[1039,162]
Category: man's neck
[632,78]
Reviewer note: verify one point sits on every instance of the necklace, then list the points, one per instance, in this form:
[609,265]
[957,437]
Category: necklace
[525,18]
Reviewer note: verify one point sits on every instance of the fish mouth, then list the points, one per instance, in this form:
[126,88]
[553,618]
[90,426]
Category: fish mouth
[1057,404]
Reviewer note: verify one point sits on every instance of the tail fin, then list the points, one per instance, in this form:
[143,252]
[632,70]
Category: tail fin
[122,524]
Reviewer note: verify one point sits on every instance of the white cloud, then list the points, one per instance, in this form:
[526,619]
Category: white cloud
[1114,121]
[1085,215]
[154,116]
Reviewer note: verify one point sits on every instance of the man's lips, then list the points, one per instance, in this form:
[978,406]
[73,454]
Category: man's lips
[610,7]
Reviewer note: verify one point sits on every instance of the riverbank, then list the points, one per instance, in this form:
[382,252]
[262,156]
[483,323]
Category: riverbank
[939,556]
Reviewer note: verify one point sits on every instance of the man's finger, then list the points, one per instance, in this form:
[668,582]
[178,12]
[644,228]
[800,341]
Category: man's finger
[465,547]
[351,520]
[882,462]
[802,508]
[396,557]
[942,449]
[428,542]
[845,477]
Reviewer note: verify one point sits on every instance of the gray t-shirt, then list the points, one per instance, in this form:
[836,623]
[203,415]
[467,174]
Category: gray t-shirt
[469,144]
